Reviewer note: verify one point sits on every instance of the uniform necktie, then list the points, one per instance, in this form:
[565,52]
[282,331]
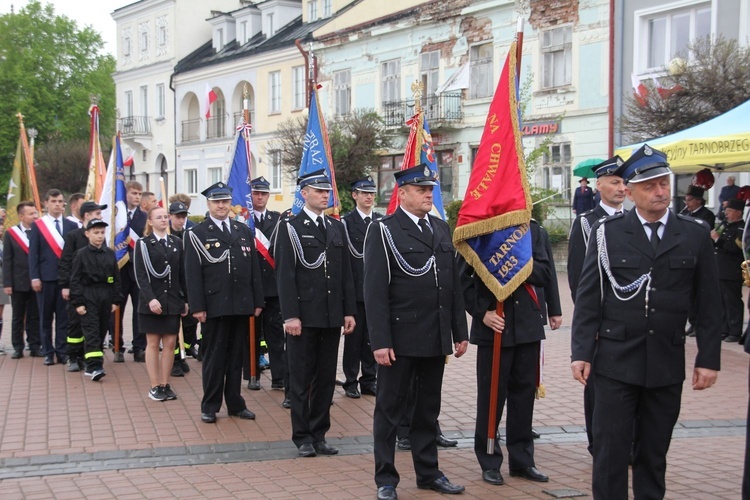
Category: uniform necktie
[225,227]
[426,229]
[130,216]
[259,220]
[654,226]
[368,219]
[618,212]
[28,233]
[57,226]
[321,225]
[163,242]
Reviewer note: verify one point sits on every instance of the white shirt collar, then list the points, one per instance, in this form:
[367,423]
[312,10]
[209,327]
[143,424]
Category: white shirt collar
[663,224]
[610,210]
[313,215]
[259,214]
[363,215]
[219,223]
[414,218]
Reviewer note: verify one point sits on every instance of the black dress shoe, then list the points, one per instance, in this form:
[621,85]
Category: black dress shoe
[370,391]
[340,382]
[731,339]
[254,386]
[287,403]
[208,418]
[306,450]
[244,414]
[119,357]
[49,359]
[323,448]
[535,434]
[62,359]
[352,392]
[176,371]
[442,485]
[387,493]
[444,442]
[492,476]
[277,386]
[16,355]
[530,473]
[403,444]
[35,353]
[139,356]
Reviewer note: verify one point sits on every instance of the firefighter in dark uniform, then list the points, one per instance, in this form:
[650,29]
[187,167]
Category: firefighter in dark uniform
[74,241]
[269,327]
[642,270]
[224,288]
[729,257]
[94,293]
[611,187]
[316,291]
[695,206]
[522,332]
[178,224]
[415,309]
[357,349]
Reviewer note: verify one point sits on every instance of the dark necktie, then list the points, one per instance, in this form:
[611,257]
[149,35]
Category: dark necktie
[321,225]
[259,220]
[57,226]
[28,233]
[618,212]
[163,242]
[654,226]
[368,219]
[225,227]
[426,229]
[130,216]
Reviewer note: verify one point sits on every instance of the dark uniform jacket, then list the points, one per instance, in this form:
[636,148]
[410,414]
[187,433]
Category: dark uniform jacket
[577,241]
[549,294]
[702,213]
[419,316]
[15,265]
[729,255]
[320,297]
[230,287]
[583,199]
[137,224]
[356,229]
[524,313]
[43,262]
[169,290]
[181,233]
[94,269]
[268,227]
[74,241]
[633,346]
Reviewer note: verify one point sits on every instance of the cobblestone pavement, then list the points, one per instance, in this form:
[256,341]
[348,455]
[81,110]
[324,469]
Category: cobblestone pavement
[63,436]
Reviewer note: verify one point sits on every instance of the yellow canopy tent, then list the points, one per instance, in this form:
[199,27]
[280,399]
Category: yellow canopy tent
[722,143]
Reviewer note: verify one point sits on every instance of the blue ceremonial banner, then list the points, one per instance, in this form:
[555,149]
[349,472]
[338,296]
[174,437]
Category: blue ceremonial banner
[114,195]
[502,251]
[427,155]
[239,177]
[316,154]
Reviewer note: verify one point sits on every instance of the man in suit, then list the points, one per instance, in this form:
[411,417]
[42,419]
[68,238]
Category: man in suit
[652,262]
[610,185]
[729,258]
[727,193]
[74,205]
[695,206]
[522,330]
[224,288]
[45,249]
[316,293]
[269,324]
[17,282]
[416,318]
[357,349]
[583,198]
[136,223]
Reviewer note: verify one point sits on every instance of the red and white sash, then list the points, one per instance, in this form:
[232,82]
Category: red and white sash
[54,239]
[20,236]
[262,245]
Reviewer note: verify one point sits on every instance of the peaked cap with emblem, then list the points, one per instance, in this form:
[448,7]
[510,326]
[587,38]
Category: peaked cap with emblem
[365,184]
[96,223]
[218,191]
[420,175]
[178,207]
[317,180]
[260,184]
[646,163]
[609,167]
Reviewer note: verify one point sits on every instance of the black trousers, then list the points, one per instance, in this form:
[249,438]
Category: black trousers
[189,334]
[518,371]
[224,340]
[589,399]
[394,384]
[312,376]
[620,406]
[405,425]
[52,305]
[25,314]
[357,352]
[734,308]
[746,474]
[94,323]
[129,289]
[75,333]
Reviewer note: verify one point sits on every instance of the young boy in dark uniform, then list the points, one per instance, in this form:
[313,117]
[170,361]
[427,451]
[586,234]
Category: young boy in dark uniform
[94,291]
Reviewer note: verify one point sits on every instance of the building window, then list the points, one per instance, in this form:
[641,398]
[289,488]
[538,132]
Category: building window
[128,103]
[429,63]
[312,11]
[342,87]
[275,170]
[126,43]
[215,175]
[668,34]
[161,101]
[326,8]
[271,28]
[144,100]
[298,90]
[556,169]
[161,35]
[274,83]
[220,38]
[445,171]
[143,39]
[388,166]
[482,78]
[391,80]
[243,32]
[191,181]
[557,57]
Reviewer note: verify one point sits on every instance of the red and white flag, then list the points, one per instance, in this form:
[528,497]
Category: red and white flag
[640,91]
[210,99]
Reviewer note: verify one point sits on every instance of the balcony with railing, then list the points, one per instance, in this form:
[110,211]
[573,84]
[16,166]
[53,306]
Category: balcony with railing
[439,109]
[191,130]
[134,126]
[216,127]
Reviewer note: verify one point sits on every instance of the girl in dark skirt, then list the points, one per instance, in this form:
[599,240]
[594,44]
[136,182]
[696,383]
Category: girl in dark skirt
[159,271]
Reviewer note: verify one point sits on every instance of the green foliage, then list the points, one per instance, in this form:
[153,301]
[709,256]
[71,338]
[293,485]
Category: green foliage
[542,199]
[62,165]
[557,232]
[451,212]
[48,68]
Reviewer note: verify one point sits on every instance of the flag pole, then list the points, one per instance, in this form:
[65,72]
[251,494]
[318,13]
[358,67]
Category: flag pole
[251,319]
[29,164]
[113,232]
[498,335]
